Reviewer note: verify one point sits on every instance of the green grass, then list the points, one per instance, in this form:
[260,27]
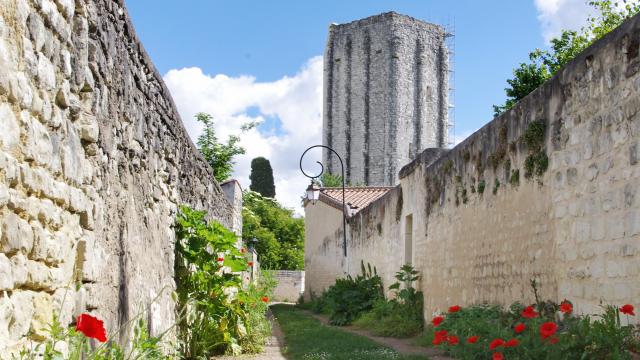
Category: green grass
[307,339]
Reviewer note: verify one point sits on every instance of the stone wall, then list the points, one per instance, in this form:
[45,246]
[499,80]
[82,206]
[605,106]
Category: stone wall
[94,161]
[290,285]
[478,228]
[385,95]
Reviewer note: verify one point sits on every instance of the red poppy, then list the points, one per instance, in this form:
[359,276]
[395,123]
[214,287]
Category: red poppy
[548,329]
[437,320]
[264,299]
[529,313]
[519,328]
[512,343]
[439,337]
[453,340]
[91,327]
[627,309]
[498,356]
[566,307]
[473,339]
[553,340]
[454,308]
[220,259]
[496,343]
[250,263]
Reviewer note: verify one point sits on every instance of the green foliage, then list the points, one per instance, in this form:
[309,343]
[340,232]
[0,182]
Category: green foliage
[575,337]
[537,161]
[534,135]
[515,177]
[496,186]
[280,235]
[308,339]
[481,185]
[330,180]
[79,347]
[220,314]
[400,316]
[345,300]
[543,64]
[262,177]
[218,155]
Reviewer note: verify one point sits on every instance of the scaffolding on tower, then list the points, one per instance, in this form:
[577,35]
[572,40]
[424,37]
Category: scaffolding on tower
[450,29]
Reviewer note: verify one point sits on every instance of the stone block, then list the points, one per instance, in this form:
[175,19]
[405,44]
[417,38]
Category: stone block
[23,311]
[46,72]
[48,248]
[62,97]
[38,145]
[42,315]
[20,91]
[6,273]
[4,195]
[632,223]
[10,134]
[19,269]
[16,234]
[88,127]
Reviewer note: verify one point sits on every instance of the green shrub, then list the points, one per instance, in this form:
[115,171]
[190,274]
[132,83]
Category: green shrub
[400,316]
[349,297]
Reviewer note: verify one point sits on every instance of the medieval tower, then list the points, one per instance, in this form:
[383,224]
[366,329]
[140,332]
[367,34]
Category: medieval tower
[385,95]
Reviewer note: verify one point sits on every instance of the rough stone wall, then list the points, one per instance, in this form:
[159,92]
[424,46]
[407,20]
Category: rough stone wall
[94,161]
[290,285]
[480,233]
[385,93]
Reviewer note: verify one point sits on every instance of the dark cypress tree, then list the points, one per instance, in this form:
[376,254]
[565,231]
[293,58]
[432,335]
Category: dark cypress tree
[262,177]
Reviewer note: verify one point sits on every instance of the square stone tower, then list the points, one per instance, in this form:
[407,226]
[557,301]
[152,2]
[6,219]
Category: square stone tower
[385,95]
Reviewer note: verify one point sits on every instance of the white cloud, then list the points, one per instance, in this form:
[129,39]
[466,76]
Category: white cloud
[295,100]
[556,15]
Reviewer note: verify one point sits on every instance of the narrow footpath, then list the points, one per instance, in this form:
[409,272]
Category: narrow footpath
[402,346]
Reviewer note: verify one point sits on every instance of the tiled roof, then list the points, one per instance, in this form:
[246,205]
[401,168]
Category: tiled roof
[357,197]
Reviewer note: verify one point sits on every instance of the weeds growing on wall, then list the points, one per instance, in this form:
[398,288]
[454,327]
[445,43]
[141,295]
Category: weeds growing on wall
[222,316]
[400,316]
[544,330]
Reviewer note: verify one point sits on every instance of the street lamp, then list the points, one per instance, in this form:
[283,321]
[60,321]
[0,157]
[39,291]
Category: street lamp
[313,193]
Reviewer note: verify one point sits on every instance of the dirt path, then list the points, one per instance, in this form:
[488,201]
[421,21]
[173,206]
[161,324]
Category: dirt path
[272,348]
[402,346]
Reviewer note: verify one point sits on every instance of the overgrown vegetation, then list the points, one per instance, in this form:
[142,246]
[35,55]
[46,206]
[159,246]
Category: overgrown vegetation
[308,339]
[349,297]
[537,161]
[400,316]
[543,330]
[543,64]
[279,235]
[222,316]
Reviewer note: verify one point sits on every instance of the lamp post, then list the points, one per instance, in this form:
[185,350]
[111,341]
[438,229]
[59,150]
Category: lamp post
[313,193]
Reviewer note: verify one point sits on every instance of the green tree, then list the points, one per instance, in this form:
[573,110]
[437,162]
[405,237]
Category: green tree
[218,155]
[279,235]
[262,177]
[543,64]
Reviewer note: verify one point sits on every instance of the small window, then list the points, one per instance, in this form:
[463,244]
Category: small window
[408,239]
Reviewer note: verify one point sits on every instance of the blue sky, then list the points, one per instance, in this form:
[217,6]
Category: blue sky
[260,60]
